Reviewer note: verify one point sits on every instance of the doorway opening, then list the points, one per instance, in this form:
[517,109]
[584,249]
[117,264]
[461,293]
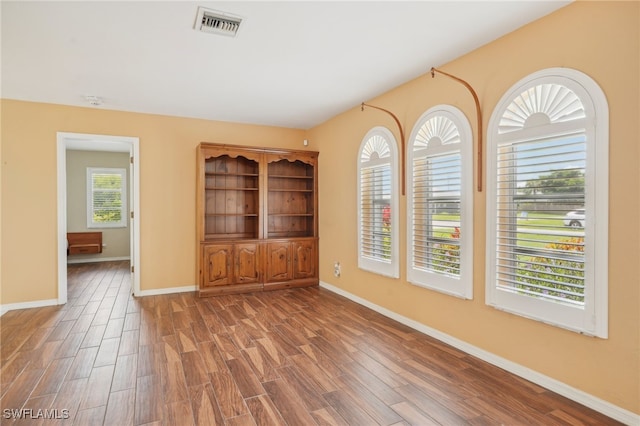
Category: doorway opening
[100,143]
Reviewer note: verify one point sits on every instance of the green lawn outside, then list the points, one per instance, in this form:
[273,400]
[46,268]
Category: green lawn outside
[557,278]
[541,220]
[446,216]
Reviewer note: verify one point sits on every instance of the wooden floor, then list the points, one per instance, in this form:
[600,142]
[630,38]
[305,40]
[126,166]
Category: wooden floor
[290,357]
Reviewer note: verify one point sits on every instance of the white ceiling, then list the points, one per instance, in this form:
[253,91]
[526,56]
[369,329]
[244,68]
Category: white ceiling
[292,64]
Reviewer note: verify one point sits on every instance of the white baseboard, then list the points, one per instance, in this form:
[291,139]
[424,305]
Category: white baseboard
[96,259]
[588,400]
[26,305]
[156,292]
[51,302]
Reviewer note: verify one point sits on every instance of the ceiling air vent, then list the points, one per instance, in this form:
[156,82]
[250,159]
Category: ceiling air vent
[215,22]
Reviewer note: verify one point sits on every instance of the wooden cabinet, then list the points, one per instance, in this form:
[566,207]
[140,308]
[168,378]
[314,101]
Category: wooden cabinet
[230,268]
[84,243]
[291,263]
[257,219]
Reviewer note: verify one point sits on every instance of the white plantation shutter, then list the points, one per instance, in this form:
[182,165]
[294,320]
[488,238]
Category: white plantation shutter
[436,192]
[547,211]
[106,197]
[378,203]
[375,203]
[539,182]
[440,203]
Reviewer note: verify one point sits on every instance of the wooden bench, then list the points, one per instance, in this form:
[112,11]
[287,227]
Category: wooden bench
[84,243]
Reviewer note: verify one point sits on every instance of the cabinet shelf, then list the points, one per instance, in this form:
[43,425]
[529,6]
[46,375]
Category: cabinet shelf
[287,234]
[290,177]
[237,236]
[310,191]
[291,214]
[222,188]
[231,174]
[231,214]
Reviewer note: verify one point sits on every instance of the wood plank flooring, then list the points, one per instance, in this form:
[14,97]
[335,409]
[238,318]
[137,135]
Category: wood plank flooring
[290,357]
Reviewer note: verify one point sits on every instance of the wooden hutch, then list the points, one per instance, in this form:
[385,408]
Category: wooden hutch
[257,219]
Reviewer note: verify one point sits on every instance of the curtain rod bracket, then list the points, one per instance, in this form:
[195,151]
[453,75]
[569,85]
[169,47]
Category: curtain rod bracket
[479,117]
[402,148]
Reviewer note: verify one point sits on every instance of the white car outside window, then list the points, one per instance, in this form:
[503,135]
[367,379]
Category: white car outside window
[575,219]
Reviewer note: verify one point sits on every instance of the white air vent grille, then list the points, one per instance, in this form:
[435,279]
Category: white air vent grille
[215,22]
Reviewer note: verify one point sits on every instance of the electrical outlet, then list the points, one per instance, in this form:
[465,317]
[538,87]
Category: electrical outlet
[336,269]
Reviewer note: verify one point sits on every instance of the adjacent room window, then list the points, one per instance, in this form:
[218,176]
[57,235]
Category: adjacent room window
[547,201]
[378,203]
[439,203]
[106,197]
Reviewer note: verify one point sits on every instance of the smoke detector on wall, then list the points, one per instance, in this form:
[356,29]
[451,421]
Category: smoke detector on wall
[216,22]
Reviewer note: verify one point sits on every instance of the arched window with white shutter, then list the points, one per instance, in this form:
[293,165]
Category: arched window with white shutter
[547,201]
[378,203]
[439,203]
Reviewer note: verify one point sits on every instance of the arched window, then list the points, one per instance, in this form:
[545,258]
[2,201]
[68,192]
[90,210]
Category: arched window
[439,203]
[378,203]
[547,201]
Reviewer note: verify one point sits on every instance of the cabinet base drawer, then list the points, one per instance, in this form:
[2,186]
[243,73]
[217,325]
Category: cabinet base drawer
[291,284]
[85,249]
[229,289]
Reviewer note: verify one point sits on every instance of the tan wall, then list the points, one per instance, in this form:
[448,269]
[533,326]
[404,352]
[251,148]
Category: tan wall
[167,189]
[115,240]
[600,39]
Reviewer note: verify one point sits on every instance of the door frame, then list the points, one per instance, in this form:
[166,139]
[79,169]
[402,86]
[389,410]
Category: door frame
[103,143]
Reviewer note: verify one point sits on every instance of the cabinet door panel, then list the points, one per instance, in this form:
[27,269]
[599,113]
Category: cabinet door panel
[217,265]
[247,261]
[304,259]
[278,261]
